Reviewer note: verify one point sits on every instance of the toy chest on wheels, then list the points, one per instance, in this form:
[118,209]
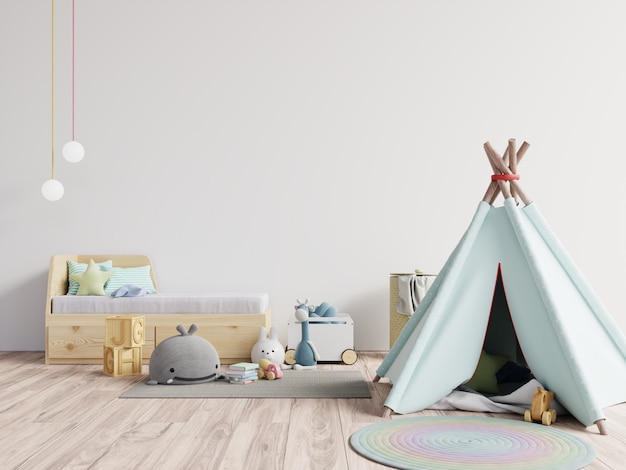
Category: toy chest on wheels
[333,337]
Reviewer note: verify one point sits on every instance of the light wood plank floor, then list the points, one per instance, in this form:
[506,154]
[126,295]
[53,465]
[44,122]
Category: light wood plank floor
[70,417]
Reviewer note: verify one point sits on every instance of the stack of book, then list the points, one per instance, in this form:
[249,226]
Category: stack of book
[242,373]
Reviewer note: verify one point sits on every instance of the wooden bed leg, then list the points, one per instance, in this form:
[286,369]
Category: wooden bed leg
[386,412]
[376,379]
[601,426]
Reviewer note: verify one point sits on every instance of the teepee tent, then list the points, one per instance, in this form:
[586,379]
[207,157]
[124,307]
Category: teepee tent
[510,288]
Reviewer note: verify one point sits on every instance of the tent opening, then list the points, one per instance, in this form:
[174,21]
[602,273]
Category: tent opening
[500,338]
[503,368]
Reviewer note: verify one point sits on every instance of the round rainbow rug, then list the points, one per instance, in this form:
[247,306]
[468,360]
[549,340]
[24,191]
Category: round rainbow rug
[470,443]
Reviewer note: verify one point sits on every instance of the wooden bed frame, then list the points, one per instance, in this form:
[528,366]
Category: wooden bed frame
[78,338]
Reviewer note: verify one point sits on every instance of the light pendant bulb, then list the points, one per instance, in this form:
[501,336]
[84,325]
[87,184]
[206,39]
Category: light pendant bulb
[73,151]
[52,190]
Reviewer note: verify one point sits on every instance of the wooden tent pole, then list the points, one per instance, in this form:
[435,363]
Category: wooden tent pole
[519,155]
[513,165]
[500,167]
[525,199]
[522,151]
[491,193]
[494,189]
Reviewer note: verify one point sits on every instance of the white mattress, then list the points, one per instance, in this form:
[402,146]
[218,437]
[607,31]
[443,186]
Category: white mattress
[163,303]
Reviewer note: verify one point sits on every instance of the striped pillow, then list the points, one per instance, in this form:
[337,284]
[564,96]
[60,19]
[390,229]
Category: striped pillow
[77,268]
[137,276]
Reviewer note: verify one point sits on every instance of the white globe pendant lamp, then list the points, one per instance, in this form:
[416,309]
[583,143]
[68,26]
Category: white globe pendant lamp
[73,151]
[52,190]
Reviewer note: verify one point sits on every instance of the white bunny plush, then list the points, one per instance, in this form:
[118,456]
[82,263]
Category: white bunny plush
[268,348]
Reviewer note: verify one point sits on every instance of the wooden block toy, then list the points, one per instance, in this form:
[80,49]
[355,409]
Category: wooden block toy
[122,361]
[124,331]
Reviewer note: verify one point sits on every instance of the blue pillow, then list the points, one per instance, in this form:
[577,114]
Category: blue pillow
[137,276]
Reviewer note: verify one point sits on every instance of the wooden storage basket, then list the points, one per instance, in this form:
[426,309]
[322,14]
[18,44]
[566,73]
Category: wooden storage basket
[397,320]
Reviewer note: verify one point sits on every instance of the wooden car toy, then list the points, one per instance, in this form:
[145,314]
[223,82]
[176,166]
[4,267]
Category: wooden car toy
[268,370]
[540,408]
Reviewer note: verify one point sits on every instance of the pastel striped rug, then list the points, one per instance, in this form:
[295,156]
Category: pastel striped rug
[470,443]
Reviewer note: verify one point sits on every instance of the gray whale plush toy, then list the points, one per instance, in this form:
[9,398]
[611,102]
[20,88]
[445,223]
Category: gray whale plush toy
[184,359]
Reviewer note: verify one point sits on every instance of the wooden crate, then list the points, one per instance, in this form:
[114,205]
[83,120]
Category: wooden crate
[122,361]
[124,331]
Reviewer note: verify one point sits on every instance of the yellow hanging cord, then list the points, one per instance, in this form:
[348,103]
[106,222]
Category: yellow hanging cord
[52,89]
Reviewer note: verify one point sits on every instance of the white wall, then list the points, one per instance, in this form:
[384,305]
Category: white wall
[305,149]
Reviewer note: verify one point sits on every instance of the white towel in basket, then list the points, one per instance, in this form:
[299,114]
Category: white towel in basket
[411,291]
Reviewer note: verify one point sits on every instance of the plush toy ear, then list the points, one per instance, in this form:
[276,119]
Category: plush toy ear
[262,333]
[181,330]
[273,334]
[193,328]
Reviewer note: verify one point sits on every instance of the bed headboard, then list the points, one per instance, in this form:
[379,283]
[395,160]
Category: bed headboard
[58,277]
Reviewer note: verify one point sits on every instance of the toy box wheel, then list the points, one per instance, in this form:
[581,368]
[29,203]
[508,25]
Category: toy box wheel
[290,357]
[349,356]
[546,418]
[527,416]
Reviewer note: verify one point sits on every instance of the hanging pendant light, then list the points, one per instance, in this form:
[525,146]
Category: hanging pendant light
[52,189]
[73,151]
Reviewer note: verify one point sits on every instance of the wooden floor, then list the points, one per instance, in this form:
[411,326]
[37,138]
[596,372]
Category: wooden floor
[70,417]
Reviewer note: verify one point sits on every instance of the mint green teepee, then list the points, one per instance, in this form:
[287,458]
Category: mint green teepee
[550,318]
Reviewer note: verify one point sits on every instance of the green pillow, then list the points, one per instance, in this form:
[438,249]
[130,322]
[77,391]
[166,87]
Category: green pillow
[91,282]
[76,268]
[138,276]
[484,378]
